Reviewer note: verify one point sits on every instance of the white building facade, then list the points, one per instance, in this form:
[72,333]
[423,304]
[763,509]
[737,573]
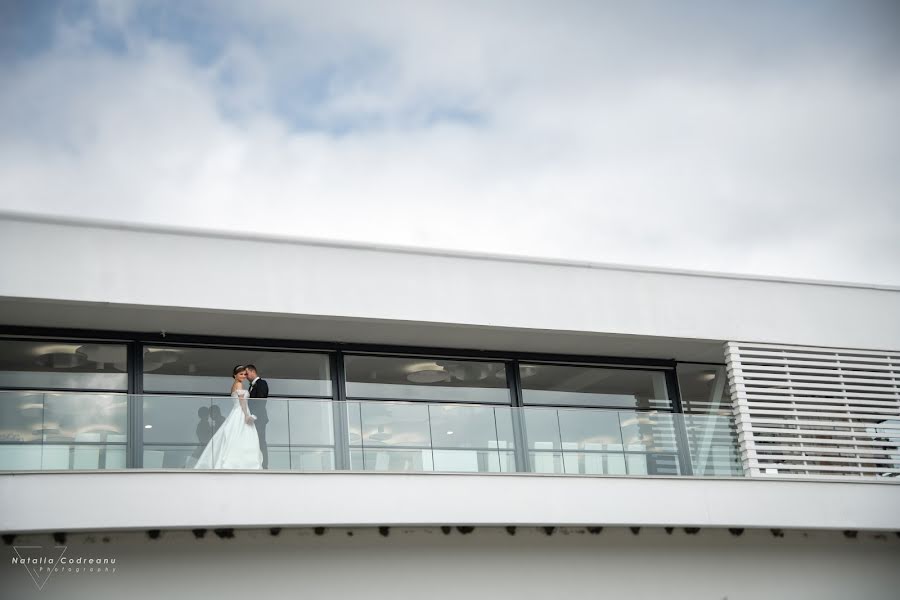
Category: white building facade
[439,423]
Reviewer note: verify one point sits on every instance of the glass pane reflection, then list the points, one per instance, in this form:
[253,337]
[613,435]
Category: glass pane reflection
[65,457]
[63,365]
[565,385]
[208,370]
[85,417]
[600,442]
[21,416]
[389,424]
[398,378]
[395,436]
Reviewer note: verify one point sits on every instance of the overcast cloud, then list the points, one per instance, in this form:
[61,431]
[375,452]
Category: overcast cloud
[752,137]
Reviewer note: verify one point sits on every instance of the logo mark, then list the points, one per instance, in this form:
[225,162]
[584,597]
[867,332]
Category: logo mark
[39,563]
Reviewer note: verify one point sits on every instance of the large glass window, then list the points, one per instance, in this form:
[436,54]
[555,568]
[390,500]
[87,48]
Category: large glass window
[49,365]
[63,405]
[400,378]
[56,429]
[704,388]
[185,370]
[564,385]
[299,433]
[709,422]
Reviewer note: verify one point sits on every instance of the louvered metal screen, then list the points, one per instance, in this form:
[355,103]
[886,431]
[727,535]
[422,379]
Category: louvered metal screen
[804,411]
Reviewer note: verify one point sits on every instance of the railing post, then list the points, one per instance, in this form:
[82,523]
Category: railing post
[681,437]
[520,437]
[134,454]
[339,413]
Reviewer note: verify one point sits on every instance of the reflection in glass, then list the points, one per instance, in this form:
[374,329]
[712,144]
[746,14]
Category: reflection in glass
[310,423]
[301,459]
[394,436]
[542,427]
[162,456]
[648,432]
[208,370]
[300,433]
[84,417]
[594,463]
[397,460]
[22,457]
[88,431]
[590,430]
[713,444]
[63,365]
[312,459]
[183,419]
[62,431]
[563,385]
[711,431]
[393,424]
[437,379]
[21,416]
[600,442]
[460,426]
[704,388]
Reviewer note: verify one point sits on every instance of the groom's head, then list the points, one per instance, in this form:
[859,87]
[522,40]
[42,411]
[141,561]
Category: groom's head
[251,372]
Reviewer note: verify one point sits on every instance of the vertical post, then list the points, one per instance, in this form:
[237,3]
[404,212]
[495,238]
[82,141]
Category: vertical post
[681,437]
[134,456]
[339,412]
[514,382]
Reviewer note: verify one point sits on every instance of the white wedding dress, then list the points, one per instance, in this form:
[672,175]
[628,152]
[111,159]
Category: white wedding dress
[235,445]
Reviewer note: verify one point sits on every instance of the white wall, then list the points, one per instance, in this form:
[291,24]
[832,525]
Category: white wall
[75,262]
[487,563]
[71,501]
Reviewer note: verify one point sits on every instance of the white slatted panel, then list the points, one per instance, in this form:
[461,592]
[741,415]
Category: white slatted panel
[805,411]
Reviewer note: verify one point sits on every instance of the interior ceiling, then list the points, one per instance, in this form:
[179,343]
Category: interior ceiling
[126,318]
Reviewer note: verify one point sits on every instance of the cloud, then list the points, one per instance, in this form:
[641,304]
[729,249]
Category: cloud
[732,139]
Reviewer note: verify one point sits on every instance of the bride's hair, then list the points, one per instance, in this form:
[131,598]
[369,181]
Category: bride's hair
[237,370]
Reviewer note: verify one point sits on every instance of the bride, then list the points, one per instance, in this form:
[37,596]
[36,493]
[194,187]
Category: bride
[235,445]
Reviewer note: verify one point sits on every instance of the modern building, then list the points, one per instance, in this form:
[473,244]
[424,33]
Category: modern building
[440,424]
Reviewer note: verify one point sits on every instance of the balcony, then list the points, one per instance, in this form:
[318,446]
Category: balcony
[84,431]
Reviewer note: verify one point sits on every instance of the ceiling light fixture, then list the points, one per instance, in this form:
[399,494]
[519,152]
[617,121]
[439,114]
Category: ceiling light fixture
[426,372]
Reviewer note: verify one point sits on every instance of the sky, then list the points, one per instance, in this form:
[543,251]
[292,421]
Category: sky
[745,137]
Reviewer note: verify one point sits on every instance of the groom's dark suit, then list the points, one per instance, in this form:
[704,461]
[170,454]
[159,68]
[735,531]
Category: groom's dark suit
[259,391]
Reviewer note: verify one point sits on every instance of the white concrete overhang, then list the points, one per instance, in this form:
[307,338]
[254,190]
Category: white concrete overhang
[113,500]
[115,276]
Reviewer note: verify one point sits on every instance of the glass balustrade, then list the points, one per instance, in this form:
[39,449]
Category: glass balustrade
[299,434]
[46,431]
[415,436]
[71,431]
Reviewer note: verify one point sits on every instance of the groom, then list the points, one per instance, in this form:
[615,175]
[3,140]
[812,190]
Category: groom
[259,391]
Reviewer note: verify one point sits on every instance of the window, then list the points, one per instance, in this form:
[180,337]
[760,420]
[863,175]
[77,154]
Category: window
[709,424]
[412,436]
[50,365]
[425,378]
[58,428]
[563,385]
[299,431]
[187,370]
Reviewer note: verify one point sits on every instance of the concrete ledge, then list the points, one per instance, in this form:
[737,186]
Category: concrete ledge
[73,501]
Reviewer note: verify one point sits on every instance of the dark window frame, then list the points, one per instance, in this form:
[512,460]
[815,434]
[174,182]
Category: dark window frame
[136,342]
